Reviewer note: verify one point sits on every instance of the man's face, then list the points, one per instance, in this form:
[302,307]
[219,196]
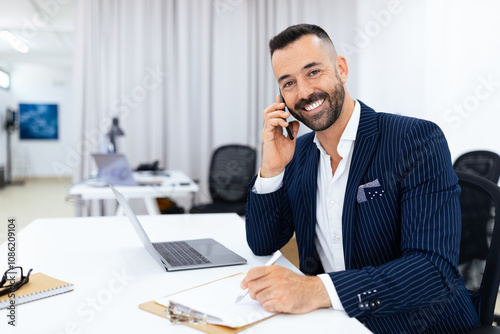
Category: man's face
[309,81]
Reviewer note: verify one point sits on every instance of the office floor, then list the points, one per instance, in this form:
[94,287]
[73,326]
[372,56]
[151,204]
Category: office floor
[36,198]
[46,198]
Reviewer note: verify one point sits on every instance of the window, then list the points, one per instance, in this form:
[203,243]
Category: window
[4,80]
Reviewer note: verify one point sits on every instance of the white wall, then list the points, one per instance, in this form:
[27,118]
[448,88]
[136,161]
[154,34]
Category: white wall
[437,60]
[32,83]
[465,102]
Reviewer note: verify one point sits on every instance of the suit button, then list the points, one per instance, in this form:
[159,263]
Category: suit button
[373,305]
[363,306]
[378,303]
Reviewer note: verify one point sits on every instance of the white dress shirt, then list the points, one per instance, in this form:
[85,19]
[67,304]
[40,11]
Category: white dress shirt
[330,200]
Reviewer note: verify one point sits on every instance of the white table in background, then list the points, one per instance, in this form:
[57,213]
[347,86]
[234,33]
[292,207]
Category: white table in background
[113,273]
[176,184]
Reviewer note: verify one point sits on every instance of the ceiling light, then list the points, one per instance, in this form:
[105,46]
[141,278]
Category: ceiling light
[15,42]
[4,80]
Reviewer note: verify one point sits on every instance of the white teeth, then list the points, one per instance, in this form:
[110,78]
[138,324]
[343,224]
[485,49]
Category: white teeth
[314,105]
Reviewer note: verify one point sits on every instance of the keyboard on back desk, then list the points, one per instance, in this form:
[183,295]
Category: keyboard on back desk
[179,253]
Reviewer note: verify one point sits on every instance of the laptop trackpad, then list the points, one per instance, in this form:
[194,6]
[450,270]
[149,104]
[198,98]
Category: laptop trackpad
[212,250]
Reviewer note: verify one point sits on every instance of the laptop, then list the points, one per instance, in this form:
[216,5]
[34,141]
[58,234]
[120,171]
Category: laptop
[184,254]
[114,169]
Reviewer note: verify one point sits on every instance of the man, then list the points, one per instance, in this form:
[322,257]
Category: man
[371,197]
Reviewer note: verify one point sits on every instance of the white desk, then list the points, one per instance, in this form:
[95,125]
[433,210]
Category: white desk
[113,274]
[176,184]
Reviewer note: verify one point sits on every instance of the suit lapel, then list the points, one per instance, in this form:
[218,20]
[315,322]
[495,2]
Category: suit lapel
[308,177]
[364,147]
[310,185]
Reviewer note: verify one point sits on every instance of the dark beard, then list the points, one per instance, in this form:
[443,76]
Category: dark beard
[325,119]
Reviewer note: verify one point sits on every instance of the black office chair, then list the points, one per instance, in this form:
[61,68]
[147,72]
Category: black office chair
[231,169]
[482,163]
[479,261]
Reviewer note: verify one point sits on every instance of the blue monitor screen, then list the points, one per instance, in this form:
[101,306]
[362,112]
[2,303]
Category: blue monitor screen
[38,121]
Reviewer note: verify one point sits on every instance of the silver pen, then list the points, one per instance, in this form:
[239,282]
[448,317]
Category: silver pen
[271,261]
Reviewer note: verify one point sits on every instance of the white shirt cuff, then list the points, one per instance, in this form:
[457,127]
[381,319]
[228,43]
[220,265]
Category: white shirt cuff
[266,185]
[332,292]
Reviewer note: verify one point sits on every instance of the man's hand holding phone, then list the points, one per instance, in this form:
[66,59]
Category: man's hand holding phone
[277,150]
[288,131]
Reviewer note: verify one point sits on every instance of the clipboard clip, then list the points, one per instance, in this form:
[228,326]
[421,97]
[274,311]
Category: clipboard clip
[178,316]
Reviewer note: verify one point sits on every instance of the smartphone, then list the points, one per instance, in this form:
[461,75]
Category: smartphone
[288,131]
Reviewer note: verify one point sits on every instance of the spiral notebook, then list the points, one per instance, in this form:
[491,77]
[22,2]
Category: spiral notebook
[39,286]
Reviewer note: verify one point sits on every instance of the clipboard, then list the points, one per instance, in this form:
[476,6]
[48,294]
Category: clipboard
[161,310]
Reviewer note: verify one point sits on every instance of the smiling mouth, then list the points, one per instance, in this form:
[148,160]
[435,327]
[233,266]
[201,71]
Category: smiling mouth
[312,106]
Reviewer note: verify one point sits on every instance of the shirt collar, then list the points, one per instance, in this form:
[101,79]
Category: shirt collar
[350,130]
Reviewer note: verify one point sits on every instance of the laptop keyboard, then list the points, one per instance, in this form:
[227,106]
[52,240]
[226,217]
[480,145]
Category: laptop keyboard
[179,253]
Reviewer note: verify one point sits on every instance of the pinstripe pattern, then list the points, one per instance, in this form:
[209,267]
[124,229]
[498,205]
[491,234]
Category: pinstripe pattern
[404,244]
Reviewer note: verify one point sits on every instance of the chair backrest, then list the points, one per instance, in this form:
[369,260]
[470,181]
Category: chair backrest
[479,261]
[482,163]
[231,169]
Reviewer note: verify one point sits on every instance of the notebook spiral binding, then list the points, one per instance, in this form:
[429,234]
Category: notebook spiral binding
[177,316]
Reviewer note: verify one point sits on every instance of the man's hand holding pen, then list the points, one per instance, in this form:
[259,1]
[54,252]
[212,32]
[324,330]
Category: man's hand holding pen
[281,290]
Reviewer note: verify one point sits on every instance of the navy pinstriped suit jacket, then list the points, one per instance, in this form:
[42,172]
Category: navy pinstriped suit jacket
[401,248]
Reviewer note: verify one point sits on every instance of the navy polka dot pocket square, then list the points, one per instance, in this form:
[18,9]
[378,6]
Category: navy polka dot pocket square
[369,191]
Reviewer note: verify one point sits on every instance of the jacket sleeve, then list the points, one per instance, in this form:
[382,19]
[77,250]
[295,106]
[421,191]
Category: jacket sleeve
[426,274]
[268,219]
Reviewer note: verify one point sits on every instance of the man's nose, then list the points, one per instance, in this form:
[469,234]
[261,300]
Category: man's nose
[304,90]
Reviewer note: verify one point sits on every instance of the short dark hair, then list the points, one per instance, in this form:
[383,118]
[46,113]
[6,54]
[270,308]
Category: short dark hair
[293,33]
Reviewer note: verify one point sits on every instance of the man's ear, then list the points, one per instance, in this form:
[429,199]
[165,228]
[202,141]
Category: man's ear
[342,68]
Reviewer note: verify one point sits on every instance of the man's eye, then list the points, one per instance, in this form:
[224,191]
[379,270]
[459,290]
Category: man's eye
[313,72]
[287,84]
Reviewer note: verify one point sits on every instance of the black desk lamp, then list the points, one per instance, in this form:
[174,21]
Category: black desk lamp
[114,132]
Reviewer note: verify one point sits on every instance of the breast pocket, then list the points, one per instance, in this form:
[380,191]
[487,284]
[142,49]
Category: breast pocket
[370,191]
[380,204]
